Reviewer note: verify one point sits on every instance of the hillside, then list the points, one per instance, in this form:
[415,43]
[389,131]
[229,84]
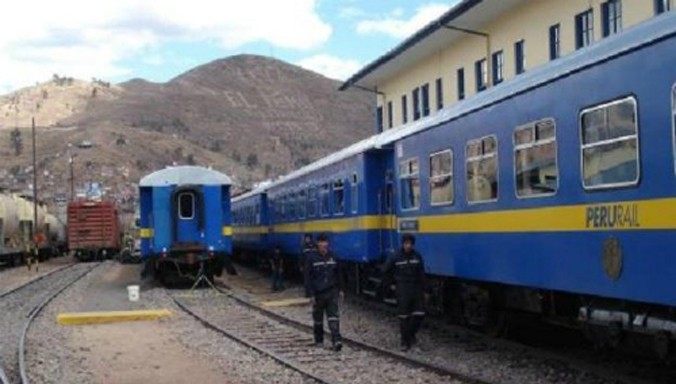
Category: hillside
[249,116]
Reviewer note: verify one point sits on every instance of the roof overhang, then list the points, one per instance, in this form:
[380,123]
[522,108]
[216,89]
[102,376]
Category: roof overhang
[184,175]
[468,14]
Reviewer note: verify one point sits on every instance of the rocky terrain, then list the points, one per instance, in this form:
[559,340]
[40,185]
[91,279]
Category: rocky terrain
[251,117]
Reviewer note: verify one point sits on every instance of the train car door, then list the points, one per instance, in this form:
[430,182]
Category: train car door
[187,216]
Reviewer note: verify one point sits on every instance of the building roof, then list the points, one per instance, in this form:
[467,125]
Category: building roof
[185,175]
[658,28]
[468,14]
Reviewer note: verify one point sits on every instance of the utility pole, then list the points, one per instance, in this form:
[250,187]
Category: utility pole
[35,194]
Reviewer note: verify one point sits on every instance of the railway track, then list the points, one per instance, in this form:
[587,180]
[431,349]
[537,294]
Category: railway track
[24,303]
[289,342]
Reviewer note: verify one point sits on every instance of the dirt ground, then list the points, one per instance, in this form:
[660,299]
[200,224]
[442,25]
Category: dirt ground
[134,352]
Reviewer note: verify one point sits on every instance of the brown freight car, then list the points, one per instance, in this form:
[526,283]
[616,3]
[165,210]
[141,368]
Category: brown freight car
[93,230]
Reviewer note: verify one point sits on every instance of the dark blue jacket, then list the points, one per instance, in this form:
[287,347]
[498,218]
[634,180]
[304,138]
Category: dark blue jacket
[322,274]
[408,270]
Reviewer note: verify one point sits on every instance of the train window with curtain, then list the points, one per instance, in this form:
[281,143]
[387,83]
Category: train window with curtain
[610,153]
[535,166]
[339,197]
[354,193]
[441,178]
[186,205]
[409,177]
[324,200]
[482,170]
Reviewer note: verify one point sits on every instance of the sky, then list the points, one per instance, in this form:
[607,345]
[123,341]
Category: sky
[117,40]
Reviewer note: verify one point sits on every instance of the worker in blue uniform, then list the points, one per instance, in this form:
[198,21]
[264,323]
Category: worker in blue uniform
[324,282]
[408,269]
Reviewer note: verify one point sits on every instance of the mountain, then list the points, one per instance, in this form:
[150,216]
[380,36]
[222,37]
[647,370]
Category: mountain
[251,117]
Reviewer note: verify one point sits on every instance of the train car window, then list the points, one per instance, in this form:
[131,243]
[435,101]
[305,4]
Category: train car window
[482,170]
[258,213]
[535,166]
[302,204]
[354,193]
[441,178]
[186,205]
[673,120]
[409,178]
[610,153]
[339,197]
[324,200]
[292,206]
[312,202]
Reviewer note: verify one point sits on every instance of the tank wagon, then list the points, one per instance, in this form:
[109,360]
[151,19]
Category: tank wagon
[185,223]
[551,194]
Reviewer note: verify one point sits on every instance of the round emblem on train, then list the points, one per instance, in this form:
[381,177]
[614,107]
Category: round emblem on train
[612,258]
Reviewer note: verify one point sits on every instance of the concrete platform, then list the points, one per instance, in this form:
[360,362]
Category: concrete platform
[83,318]
[296,301]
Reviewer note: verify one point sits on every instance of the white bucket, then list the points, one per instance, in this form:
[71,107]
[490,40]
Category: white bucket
[134,292]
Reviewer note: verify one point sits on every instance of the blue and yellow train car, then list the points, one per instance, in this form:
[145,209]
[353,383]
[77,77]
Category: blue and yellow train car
[251,223]
[185,222]
[555,193]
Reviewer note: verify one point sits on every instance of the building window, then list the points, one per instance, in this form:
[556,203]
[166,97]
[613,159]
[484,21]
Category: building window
[441,178]
[312,202]
[339,197]
[584,29]
[390,115]
[404,109]
[537,173]
[354,193]
[461,84]
[481,75]
[662,6]
[554,42]
[416,104]
[324,200]
[425,93]
[482,169]
[520,56]
[611,11]
[409,176]
[498,64]
[379,119]
[610,154]
[186,206]
[440,93]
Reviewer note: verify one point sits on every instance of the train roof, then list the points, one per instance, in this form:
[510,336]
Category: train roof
[656,29]
[185,175]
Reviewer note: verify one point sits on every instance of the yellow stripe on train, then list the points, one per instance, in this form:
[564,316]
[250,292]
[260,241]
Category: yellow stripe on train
[227,230]
[657,214]
[145,233]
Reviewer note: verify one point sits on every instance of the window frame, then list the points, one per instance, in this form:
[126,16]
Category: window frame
[555,42]
[582,20]
[390,115]
[180,205]
[439,83]
[498,67]
[461,86]
[497,169]
[380,120]
[520,57]
[425,100]
[605,142]
[404,109]
[415,98]
[536,143]
[611,25]
[312,200]
[325,187]
[409,176]
[481,75]
[452,175]
[662,6]
[301,202]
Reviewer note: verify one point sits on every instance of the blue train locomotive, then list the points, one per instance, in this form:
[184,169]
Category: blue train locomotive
[552,194]
[185,222]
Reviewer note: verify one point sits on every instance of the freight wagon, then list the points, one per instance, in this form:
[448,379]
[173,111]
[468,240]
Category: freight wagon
[93,230]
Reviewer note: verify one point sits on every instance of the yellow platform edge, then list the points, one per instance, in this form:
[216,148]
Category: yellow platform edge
[286,302]
[83,318]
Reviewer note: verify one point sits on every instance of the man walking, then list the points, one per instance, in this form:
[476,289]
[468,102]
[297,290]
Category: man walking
[408,269]
[324,284]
